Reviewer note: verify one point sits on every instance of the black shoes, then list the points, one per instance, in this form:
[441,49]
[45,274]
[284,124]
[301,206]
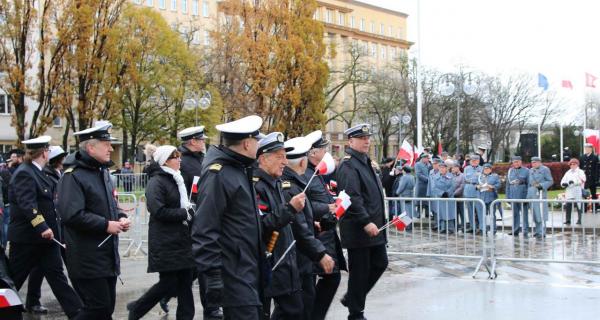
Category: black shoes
[164,304]
[38,309]
[213,314]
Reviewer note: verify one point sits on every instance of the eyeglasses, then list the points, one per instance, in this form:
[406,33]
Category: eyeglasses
[175,157]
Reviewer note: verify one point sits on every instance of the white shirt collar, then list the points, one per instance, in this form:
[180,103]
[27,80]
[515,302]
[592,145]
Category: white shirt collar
[37,165]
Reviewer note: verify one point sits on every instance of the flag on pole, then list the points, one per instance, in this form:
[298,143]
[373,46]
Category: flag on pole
[593,137]
[406,153]
[326,165]
[402,221]
[195,184]
[343,203]
[440,147]
[416,153]
[567,84]
[542,81]
[589,80]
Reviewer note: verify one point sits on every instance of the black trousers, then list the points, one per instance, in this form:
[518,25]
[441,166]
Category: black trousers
[326,288]
[242,313]
[288,307]
[365,265]
[181,281]
[34,287]
[98,297]
[308,294]
[23,257]
[569,208]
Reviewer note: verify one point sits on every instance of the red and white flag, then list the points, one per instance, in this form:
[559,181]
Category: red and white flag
[326,166]
[593,137]
[416,153]
[195,184]
[402,221]
[567,84]
[589,80]
[343,203]
[406,153]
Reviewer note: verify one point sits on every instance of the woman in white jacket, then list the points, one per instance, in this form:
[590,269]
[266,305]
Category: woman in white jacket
[573,181]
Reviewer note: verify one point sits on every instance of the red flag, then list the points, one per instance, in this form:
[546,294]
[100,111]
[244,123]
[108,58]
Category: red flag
[326,165]
[343,203]
[593,137]
[589,80]
[195,184]
[406,153]
[416,153]
[567,84]
[440,147]
[402,221]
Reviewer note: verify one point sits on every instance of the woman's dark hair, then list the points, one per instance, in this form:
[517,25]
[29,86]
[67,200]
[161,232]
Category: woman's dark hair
[32,154]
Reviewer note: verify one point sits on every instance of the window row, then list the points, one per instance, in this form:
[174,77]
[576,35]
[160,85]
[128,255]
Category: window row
[184,5]
[352,22]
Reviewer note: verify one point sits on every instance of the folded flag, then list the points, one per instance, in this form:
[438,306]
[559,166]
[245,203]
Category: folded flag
[195,184]
[343,203]
[326,165]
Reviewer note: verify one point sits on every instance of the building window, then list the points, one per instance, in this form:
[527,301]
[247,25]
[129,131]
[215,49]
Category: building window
[383,52]
[57,122]
[137,1]
[5,104]
[184,6]
[195,7]
[206,38]
[205,9]
[341,18]
[382,29]
[162,4]
[374,50]
[196,37]
[391,31]
[150,3]
[173,5]
[399,33]
[362,24]
[372,27]
[352,22]
[329,16]
[316,15]
[394,52]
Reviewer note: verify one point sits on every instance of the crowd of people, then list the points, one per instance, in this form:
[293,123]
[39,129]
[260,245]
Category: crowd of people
[253,220]
[451,177]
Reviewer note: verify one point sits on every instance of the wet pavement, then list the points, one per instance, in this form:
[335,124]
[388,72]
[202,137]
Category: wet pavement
[416,287]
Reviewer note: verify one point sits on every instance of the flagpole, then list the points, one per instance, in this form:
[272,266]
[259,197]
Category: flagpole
[419,87]
[311,179]
[539,140]
[561,143]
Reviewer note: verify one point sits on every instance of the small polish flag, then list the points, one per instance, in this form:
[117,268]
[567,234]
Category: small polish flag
[406,153]
[326,166]
[593,137]
[402,221]
[195,184]
[343,203]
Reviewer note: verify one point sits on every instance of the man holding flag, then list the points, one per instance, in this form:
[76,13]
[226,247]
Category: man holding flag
[192,151]
[359,227]
[323,207]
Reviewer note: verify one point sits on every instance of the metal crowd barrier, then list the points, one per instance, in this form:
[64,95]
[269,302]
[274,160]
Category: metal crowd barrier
[132,206]
[143,219]
[558,243]
[130,182]
[424,238]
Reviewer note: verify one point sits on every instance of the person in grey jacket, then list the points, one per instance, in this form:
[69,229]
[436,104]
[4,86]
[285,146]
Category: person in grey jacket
[422,181]
[406,189]
[459,186]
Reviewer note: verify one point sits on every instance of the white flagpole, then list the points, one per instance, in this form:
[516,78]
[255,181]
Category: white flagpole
[311,179]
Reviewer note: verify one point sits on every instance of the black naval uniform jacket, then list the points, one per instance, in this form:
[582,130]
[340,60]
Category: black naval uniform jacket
[591,167]
[320,198]
[191,165]
[311,250]
[226,231]
[86,202]
[357,176]
[31,195]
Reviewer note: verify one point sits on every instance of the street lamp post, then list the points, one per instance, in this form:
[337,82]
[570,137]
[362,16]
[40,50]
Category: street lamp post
[194,103]
[467,85]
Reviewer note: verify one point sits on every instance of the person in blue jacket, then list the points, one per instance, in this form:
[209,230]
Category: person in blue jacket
[472,172]
[516,188]
[488,185]
[442,186]
[540,179]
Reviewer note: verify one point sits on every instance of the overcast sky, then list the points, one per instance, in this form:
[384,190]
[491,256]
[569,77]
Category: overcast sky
[557,38]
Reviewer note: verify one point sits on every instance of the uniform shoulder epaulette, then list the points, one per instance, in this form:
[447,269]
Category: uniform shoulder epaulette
[215,167]
[69,170]
[286,184]
[347,157]
[255,179]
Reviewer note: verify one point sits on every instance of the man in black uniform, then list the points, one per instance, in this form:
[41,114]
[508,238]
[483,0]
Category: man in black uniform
[192,153]
[323,208]
[359,227]
[589,164]
[89,213]
[226,232]
[34,224]
[287,218]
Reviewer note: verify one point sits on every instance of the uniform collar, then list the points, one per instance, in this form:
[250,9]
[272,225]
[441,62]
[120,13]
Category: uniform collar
[359,155]
[37,165]
[264,176]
